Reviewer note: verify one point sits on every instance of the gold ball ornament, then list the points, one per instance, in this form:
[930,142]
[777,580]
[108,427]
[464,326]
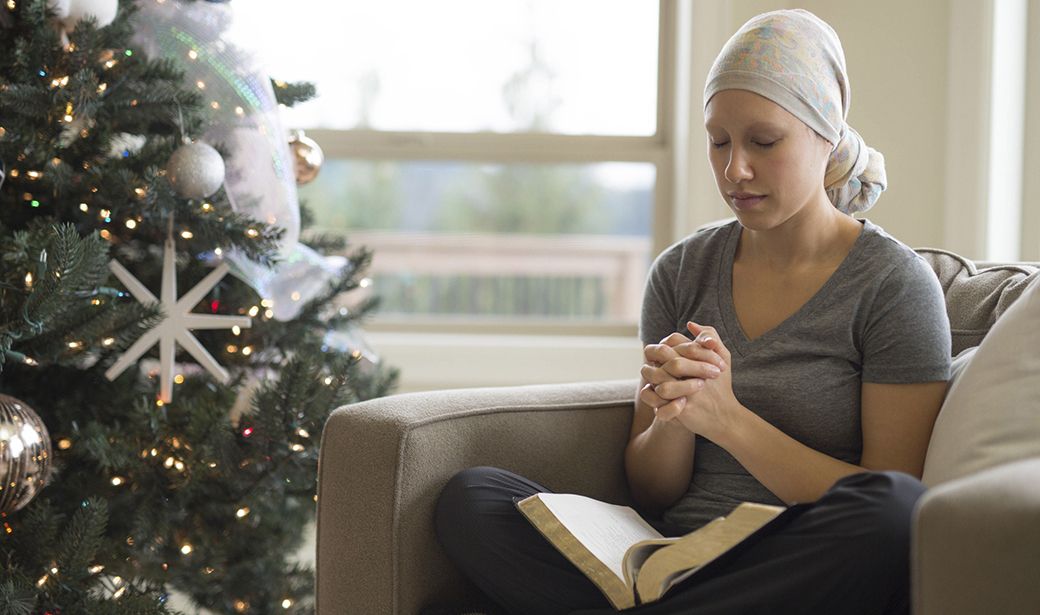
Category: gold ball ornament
[195,170]
[25,454]
[307,156]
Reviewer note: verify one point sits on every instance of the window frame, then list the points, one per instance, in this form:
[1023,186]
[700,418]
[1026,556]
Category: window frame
[533,148]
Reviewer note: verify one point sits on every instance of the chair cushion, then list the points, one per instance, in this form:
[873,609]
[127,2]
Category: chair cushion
[991,414]
[975,295]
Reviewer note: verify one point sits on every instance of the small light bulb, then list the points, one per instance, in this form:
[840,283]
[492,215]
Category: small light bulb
[186,549]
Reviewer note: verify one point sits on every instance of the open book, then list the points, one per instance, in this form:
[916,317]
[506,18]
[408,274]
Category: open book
[630,561]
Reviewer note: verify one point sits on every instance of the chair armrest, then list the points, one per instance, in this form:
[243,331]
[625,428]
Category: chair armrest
[384,462]
[976,546]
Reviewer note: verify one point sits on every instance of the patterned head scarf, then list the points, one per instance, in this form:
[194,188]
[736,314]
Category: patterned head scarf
[795,59]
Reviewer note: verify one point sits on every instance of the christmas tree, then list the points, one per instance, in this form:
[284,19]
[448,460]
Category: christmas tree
[182,426]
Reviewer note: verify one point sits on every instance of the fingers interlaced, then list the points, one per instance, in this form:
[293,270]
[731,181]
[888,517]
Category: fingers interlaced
[675,338]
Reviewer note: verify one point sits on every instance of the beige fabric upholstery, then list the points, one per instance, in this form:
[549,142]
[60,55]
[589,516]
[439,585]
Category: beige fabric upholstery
[991,414]
[976,544]
[976,296]
[383,463]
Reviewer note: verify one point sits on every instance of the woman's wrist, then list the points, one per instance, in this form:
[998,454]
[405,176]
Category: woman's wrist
[730,431]
[672,428]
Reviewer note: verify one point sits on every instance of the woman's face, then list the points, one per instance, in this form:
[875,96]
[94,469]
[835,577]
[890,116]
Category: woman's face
[769,166]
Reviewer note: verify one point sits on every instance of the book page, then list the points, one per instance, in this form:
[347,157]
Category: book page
[639,553]
[606,530]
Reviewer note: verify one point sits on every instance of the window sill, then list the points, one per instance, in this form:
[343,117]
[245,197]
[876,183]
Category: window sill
[447,360]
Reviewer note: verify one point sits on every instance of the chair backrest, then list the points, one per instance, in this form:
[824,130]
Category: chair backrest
[976,294]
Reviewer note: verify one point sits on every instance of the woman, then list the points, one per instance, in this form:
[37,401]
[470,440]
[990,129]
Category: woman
[795,355]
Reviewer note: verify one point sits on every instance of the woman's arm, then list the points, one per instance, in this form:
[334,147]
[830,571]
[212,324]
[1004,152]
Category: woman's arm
[896,422]
[659,455]
[658,458]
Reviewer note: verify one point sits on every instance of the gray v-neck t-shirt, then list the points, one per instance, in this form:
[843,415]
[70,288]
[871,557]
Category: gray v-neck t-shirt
[880,317]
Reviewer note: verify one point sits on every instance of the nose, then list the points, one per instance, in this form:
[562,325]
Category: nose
[739,167]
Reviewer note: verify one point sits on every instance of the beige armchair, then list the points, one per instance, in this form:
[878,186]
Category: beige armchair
[384,462]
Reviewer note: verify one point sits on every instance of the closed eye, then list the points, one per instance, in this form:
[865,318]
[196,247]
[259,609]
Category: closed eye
[766,145]
[720,144]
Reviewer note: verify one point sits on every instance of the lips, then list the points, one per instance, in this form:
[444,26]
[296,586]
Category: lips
[743,200]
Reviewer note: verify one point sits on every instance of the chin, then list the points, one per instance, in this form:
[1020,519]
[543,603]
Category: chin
[756,221]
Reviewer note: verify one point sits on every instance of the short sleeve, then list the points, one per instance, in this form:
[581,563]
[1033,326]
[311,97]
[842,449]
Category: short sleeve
[658,317]
[907,336]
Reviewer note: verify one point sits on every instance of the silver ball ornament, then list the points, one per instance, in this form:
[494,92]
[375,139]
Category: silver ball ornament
[195,170]
[307,157]
[25,454]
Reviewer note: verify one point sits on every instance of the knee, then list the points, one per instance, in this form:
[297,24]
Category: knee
[462,501]
[884,504]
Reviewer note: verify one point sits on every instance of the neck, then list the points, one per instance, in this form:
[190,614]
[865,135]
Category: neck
[816,235]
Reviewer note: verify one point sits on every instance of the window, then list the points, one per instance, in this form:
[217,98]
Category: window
[502,159]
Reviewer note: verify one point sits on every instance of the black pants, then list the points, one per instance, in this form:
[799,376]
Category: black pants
[846,554]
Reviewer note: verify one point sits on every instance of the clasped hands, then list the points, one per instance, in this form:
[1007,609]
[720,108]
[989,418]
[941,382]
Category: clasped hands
[690,380]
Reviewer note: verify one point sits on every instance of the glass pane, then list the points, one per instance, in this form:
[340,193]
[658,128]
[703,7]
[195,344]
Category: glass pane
[518,241]
[565,66]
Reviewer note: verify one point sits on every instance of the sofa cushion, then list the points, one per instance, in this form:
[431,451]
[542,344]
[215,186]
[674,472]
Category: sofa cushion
[991,414]
[975,296]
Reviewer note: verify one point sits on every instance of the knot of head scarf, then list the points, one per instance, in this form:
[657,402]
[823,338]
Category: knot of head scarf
[795,59]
